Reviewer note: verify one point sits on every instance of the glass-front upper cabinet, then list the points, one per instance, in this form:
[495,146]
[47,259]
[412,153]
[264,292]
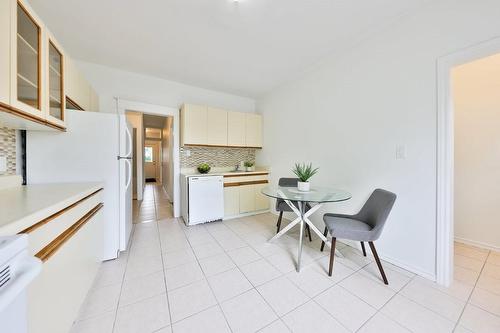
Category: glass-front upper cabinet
[28,58]
[55,76]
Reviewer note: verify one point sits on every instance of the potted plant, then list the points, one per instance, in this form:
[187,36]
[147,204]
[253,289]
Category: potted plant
[249,166]
[203,168]
[304,173]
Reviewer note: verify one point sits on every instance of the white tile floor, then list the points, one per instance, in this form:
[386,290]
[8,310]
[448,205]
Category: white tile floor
[226,277]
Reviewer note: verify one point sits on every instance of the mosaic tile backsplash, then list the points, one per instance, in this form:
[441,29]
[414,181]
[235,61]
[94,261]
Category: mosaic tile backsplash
[216,156]
[8,149]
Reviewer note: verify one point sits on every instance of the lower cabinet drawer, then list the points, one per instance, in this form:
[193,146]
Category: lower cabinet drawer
[55,296]
[43,233]
[70,244]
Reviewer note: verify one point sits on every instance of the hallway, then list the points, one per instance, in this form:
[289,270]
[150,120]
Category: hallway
[155,206]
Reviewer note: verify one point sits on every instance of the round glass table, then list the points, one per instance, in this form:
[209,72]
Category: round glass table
[297,201]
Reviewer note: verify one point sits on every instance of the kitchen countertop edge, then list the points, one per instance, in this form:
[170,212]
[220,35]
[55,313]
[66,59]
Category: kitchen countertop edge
[29,214]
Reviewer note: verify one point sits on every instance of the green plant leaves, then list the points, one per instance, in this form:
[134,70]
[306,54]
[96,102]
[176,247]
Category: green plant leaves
[304,172]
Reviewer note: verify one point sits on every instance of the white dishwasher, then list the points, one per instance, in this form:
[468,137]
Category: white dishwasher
[206,199]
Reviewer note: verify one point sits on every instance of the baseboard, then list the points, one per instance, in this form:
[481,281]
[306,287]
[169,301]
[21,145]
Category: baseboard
[245,214]
[477,244]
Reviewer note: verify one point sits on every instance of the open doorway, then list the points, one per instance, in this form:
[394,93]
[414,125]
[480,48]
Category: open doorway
[476,107]
[468,232]
[152,154]
[156,163]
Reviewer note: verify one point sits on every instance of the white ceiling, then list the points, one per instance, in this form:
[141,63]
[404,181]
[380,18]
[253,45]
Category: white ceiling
[246,48]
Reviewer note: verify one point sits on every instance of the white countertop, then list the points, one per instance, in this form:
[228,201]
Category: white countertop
[194,172]
[23,206]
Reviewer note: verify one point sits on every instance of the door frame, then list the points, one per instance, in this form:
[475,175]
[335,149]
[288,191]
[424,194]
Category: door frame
[445,152]
[159,110]
[156,145]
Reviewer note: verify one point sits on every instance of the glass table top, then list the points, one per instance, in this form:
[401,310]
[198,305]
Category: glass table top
[316,194]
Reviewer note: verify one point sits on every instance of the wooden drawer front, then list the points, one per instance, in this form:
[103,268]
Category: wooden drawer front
[41,236]
[55,296]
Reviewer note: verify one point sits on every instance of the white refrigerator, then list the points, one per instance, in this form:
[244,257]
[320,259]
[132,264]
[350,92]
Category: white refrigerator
[97,147]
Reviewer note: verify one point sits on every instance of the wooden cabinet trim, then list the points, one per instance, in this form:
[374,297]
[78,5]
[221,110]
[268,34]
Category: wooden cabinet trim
[49,250]
[16,112]
[252,182]
[55,215]
[75,104]
[203,145]
[248,175]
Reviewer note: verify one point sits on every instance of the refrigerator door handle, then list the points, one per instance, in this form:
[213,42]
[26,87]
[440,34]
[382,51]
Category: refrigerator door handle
[129,139]
[129,173]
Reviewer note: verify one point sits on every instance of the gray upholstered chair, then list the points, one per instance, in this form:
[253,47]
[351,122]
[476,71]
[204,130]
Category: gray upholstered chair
[365,226]
[282,206]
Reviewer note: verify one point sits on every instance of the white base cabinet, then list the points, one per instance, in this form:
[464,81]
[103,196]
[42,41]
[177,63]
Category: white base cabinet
[70,246]
[243,196]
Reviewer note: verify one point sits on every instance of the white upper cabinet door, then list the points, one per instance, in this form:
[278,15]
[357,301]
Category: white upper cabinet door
[193,124]
[253,131]
[27,89]
[216,127]
[5,26]
[56,99]
[236,129]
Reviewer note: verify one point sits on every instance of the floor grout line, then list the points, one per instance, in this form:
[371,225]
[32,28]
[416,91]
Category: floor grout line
[472,292]
[162,263]
[262,230]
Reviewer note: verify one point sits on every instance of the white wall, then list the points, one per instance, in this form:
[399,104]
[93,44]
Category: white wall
[111,82]
[348,115]
[167,160]
[476,99]
[136,120]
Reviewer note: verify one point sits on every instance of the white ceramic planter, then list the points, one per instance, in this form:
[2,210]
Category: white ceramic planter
[304,186]
[252,168]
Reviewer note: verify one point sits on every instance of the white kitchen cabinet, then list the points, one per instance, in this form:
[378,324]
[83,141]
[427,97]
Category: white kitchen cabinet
[253,130]
[231,200]
[193,124]
[261,201]
[247,198]
[27,85]
[5,12]
[32,82]
[54,66]
[216,127]
[236,129]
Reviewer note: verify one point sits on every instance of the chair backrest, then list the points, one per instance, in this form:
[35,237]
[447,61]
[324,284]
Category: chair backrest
[376,210]
[288,182]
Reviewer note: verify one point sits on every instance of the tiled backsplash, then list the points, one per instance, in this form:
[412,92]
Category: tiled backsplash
[8,149]
[216,156]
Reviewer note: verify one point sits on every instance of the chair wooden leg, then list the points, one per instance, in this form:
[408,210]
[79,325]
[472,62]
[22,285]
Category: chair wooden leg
[332,255]
[379,264]
[323,243]
[363,248]
[309,232]
[278,225]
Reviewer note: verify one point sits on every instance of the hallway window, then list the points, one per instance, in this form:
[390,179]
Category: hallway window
[148,154]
